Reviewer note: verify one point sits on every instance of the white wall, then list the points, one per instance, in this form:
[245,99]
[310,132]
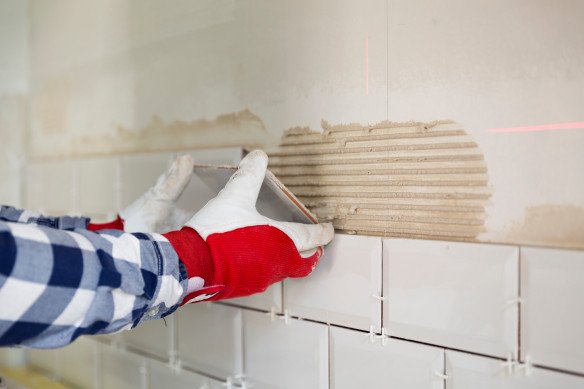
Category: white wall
[13,93]
[123,76]
[135,69]
[493,64]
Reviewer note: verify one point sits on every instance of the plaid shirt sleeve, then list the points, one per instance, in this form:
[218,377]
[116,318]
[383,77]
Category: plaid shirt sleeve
[11,214]
[59,281]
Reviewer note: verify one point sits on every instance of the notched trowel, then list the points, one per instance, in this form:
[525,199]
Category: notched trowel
[274,201]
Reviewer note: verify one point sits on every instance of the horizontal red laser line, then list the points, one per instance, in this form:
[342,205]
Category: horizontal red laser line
[541,127]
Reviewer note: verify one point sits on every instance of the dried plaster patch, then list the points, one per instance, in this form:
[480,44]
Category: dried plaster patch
[242,128]
[550,225]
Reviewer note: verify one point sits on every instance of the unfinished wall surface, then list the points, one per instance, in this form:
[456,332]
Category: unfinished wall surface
[500,65]
[13,96]
[117,77]
[134,66]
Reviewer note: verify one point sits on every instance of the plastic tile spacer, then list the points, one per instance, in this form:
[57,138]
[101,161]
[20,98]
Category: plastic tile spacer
[118,345]
[442,376]
[509,363]
[272,314]
[514,301]
[246,385]
[526,366]
[384,337]
[144,373]
[228,383]
[377,297]
[143,369]
[372,335]
[240,378]
[286,317]
[175,364]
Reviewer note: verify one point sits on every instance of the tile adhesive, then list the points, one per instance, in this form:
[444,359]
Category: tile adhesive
[414,180]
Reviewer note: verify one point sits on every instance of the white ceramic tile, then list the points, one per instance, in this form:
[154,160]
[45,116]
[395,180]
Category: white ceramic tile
[476,372]
[197,193]
[458,295]
[140,172]
[49,186]
[95,181]
[270,298]
[280,355]
[121,369]
[48,361]
[552,318]
[217,156]
[152,337]
[11,356]
[109,338]
[341,288]
[161,376]
[78,362]
[209,338]
[358,363]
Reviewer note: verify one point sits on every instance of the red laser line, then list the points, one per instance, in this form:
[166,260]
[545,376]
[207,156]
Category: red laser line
[541,127]
[367,65]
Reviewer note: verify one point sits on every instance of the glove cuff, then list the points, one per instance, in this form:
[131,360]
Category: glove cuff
[117,224]
[193,252]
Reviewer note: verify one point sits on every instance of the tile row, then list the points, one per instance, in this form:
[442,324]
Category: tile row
[87,363]
[291,353]
[101,186]
[470,297]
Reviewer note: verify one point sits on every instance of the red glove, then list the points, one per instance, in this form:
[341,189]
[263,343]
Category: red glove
[117,224]
[230,250]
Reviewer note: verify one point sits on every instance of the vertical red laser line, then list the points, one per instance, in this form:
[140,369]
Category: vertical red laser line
[367,65]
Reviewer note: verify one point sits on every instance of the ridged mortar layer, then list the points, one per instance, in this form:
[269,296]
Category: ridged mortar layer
[414,180]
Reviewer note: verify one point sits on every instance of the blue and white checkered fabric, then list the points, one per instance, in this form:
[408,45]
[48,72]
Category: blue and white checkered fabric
[12,214]
[59,281]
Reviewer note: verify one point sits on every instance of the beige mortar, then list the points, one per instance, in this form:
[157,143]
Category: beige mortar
[415,180]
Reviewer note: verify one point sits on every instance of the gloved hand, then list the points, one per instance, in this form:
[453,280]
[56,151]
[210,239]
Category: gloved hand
[155,210]
[230,250]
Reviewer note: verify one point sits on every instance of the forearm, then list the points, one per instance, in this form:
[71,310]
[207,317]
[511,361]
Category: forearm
[56,285]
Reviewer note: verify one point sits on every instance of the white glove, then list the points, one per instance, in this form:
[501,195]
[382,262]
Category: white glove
[155,210]
[230,250]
